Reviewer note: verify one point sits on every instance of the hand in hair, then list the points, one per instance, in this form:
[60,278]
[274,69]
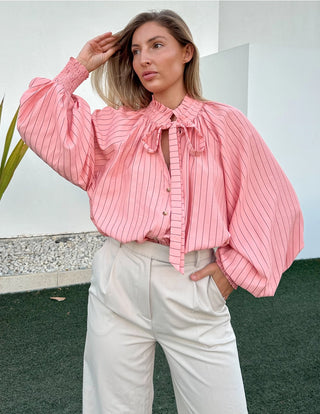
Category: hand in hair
[97,51]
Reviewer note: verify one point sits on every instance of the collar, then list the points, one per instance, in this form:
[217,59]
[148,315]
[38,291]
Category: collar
[185,113]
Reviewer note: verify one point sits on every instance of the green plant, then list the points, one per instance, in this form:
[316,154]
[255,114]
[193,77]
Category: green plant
[8,166]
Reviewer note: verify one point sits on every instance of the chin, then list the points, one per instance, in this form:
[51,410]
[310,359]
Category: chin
[154,89]
[150,88]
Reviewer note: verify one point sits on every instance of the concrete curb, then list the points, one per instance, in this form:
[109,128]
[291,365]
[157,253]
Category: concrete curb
[38,281]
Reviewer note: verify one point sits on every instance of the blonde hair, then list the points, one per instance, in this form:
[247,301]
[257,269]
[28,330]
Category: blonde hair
[117,83]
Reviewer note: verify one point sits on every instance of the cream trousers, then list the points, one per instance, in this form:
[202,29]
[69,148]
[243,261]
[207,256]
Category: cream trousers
[136,299]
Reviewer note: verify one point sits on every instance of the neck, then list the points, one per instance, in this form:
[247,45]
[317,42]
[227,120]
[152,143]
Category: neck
[170,101]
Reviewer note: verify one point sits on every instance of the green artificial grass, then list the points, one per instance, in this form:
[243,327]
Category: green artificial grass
[42,341]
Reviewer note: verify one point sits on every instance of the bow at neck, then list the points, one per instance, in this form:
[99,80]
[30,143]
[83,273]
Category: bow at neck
[152,139]
[160,118]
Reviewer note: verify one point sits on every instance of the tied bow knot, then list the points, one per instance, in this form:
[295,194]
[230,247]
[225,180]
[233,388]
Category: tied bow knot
[152,140]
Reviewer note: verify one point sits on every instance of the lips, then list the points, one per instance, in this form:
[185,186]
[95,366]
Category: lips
[148,75]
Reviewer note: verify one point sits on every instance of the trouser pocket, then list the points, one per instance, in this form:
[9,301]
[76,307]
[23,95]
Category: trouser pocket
[102,265]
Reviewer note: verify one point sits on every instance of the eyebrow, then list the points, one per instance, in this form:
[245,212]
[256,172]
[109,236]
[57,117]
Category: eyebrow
[150,40]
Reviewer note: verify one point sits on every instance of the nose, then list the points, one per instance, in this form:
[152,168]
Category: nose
[144,58]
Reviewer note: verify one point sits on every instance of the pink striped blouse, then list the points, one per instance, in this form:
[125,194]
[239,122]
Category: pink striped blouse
[225,189]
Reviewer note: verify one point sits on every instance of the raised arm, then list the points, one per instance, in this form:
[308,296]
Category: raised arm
[56,124]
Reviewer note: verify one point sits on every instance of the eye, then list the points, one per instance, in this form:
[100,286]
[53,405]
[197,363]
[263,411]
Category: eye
[135,52]
[157,45]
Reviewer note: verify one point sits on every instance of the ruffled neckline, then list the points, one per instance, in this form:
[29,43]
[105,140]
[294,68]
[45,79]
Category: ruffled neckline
[186,112]
[159,118]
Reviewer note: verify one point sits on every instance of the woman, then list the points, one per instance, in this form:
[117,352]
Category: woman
[191,200]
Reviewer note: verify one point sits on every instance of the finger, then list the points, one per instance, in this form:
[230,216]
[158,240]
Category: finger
[102,37]
[109,53]
[108,41]
[209,269]
[109,46]
[223,284]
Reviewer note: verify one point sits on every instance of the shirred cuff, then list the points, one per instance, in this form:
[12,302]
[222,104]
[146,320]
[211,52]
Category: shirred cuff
[73,74]
[219,263]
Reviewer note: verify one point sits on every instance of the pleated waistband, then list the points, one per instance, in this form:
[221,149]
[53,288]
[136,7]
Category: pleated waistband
[161,252]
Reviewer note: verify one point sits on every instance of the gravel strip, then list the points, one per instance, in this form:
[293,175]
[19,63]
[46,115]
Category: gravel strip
[62,252]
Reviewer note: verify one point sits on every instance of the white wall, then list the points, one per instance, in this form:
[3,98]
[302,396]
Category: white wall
[37,39]
[284,104]
[224,76]
[286,23]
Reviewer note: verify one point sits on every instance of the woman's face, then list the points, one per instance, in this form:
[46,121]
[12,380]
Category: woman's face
[159,61]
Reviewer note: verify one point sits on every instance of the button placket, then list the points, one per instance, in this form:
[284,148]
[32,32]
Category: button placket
[177,231]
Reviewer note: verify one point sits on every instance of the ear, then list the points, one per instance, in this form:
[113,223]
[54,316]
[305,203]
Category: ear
[188,53]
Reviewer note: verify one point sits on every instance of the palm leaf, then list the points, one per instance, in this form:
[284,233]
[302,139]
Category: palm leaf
[1,106]
[11,165]
[8,139]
